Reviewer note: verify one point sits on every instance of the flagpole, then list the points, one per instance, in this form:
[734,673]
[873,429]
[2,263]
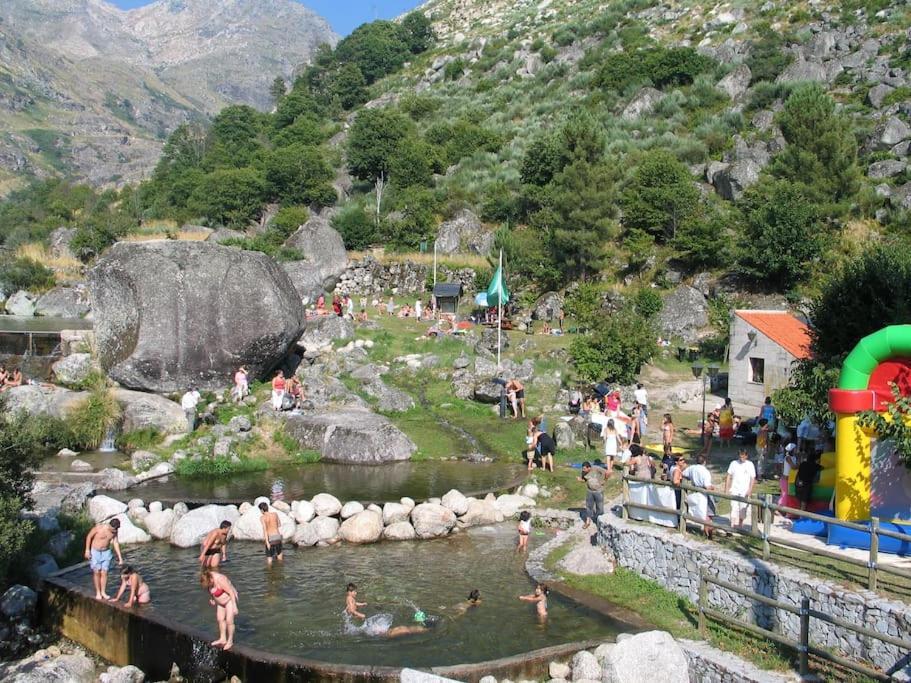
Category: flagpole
[500,310]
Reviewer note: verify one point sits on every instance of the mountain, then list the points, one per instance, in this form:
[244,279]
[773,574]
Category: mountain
[93,91]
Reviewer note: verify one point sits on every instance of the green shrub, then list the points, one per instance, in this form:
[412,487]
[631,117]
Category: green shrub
[583,303]
[93,417]
[661,66]
[647,303]
[220,467]
[548,54]
[358,230]
[768,58]
[267,243]
[616,349]
[454,69]
[288,219]
[142,439]
[564,36]
[15,534]
[24,273]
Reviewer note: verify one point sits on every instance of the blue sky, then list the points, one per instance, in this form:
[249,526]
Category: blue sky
[344,15]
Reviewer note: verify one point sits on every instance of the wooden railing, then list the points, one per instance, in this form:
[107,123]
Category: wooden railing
[802,644]
[760,528]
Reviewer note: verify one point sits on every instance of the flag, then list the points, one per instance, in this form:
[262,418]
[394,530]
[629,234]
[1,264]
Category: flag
[497,294]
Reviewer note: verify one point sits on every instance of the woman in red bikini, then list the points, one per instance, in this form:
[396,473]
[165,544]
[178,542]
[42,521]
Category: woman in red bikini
[224,599]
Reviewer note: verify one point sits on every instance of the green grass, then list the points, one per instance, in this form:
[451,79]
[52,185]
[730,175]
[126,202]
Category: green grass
[143,439]
[220,467]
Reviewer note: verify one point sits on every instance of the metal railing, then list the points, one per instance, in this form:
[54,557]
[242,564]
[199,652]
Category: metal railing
[760,528]
[802,644]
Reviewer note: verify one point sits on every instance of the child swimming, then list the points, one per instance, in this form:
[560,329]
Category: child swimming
[474,600]
[351,603]
[539,597]
[524,530]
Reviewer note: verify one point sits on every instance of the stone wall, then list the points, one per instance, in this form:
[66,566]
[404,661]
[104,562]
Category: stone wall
[368,276]
[674,561]
[711,665]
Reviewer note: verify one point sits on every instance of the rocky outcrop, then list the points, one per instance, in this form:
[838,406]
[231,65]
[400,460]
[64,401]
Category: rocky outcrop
[547,307]
[464,233]
[172,314]
[141,410]
[683,314]
[324,329]
[354,437]
[325,258]
[21,303]
[643,103]
[74,369]
[736,82]
[369,277]
[64,302]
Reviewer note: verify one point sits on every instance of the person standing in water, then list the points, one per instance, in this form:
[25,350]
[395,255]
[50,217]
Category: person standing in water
[539,597]
[98,544]
[351,603]
[524,531]
[272,534]
[224,598]
[131,580]
[215,546]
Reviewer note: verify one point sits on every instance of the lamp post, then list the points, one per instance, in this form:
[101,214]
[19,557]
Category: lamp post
[711,371]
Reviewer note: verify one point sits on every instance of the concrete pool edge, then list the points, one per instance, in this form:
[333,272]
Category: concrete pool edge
[133,636]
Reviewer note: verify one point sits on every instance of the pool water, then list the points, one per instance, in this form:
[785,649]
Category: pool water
[381,483]
[297,608]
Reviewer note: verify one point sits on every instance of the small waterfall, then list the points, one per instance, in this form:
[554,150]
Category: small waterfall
[107,446]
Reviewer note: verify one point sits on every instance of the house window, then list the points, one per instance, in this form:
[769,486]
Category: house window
[757,370]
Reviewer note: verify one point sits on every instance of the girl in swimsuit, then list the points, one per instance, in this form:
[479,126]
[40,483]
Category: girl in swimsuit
[539,597]
[224,598]
[139,589]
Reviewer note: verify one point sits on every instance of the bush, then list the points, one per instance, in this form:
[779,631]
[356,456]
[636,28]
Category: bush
[93,417]
[24,273]
[660,66]
[231,197]
[299,175]
[583,303]
[288,219]
[615,349]
[647,303]
[139,439]
[661,197]
[453,70]
[15,534]
[358,230]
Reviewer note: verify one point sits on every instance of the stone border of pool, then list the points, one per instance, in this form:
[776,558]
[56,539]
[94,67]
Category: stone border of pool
[136,488]
[152,643]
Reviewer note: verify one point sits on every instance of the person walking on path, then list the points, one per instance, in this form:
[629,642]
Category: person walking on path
[99,543]
[272,535]
[188,402]
[740,480]
[594,496]
[278,390]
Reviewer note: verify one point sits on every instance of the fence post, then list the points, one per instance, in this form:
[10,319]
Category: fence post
[703,596]
[766,526]
[874,552]
[803,646]
[625,511]
[755,516]
[681,510]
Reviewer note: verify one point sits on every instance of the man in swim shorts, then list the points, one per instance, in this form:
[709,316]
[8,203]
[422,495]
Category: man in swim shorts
[98,544]
[272,534]
[215,546]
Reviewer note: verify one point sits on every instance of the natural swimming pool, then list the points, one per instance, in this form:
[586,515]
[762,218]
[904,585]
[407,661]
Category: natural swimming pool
[297,609]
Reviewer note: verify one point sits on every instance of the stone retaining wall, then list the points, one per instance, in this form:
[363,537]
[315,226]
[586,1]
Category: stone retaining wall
[368,277]
[675,561]
[711,665]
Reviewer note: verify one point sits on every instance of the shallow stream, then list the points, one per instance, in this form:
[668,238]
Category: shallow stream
[297,608]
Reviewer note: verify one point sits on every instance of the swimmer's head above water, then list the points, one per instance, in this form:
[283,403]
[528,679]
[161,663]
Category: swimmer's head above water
[474,596]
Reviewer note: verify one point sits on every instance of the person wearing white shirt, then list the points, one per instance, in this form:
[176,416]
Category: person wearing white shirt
[698,501]
[790,463]
[418,309]
[740,480]
[188,402]
[640,395]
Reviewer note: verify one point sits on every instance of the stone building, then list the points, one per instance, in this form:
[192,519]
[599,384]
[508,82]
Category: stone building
[764,346]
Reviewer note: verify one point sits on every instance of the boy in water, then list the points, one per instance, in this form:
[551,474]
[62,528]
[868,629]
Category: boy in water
[98,544]
[272,535]
[524,531]
[351,603]
[215,546]
[539,597]
[474,600]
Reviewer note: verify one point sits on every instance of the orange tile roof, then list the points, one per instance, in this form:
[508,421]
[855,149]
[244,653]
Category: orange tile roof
[790,333]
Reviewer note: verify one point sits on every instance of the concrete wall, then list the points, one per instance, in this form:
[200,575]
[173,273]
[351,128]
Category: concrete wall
[674,561]
[748,396]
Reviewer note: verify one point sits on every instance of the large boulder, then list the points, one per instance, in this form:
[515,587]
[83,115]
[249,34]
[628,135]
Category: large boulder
[431,520]
[18,601]
[481,512]
[886,135]
[509,504]
[305,535]
[548,306]
[388,399]
[736,82]
[650,657]
[64,302]
[171,314]
[643,102]
[325,329]
[59,242]
[399,531]
[21,303]
[40,668]
[74,369]
[101,508]
[249,525]
[350,509]
[455,501]
[393,513]
[130,533]
[353,437]
[160,524]
[684,312]
[303,511]
[192,527]
[306,278]
[326,505]
[364,527]
[585,667]
[38,399]
[323,249]
[141,410]
[464,233]
[325,528]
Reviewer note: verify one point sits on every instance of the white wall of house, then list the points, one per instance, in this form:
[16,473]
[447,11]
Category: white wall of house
[746,357]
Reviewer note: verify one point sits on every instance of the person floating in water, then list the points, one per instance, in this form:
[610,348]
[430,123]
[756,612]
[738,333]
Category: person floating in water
[215,546]
[351,603]
[272,534]
[98,544]
[524,530]
[474,600]
[539,597]
[422,625]
[223,597]
[131,580]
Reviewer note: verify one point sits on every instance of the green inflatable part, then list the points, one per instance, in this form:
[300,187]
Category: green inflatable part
[820,493]
[890,342]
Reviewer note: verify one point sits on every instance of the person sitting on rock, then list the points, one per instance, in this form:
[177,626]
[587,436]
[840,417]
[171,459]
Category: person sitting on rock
[13,380]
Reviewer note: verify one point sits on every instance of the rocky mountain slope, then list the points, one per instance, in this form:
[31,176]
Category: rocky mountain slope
[89,89]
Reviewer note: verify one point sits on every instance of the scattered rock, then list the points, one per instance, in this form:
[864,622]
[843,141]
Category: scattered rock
[305,535]
[585,667]
[18,602]
[75,668]
[586,559]
[303,511]
[78,465]
[889,133]
[878,93]
[160,524]
[736,82]
[64,302]
[74,369]
[240,423]
[325,329]
[192,526]
[559,670]
[886,169]
[394,513]
[130,533]
[326,529]
[464,233]
[481,512]
[643,102]
[248,526]
[142,460]
[509,504]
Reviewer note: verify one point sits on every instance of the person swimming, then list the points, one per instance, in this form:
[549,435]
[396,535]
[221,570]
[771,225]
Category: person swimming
[422,624]
[539,597]
[351,603]
[474,600]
